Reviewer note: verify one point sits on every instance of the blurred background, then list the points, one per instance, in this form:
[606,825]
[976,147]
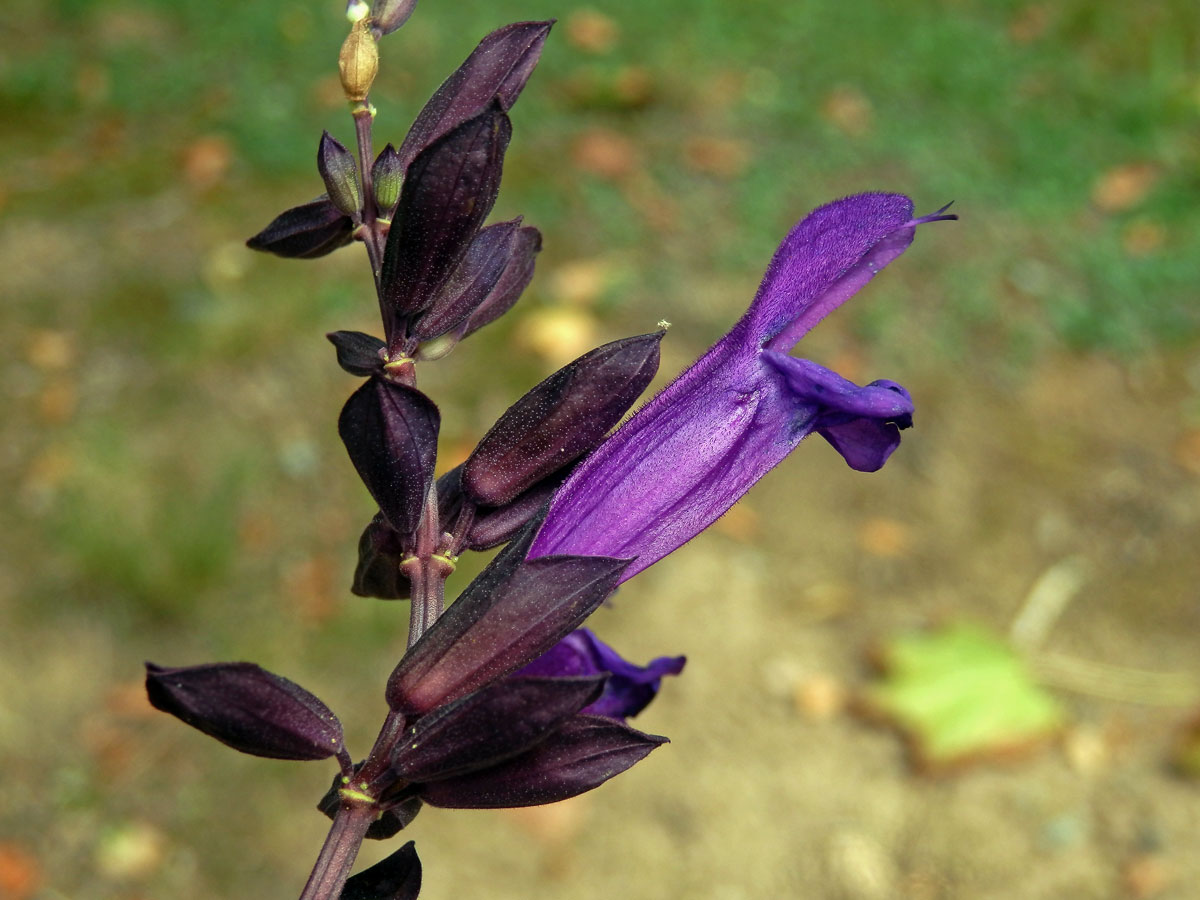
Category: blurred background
[175,489]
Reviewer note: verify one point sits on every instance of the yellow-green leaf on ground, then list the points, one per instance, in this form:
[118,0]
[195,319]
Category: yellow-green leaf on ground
[961,693]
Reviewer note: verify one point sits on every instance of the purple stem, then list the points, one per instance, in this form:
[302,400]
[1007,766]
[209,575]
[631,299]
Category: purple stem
[339,852]
[428,580]
[372,237]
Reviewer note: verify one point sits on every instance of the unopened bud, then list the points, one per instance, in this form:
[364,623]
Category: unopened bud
[387,175]
[336,165]
[358,62]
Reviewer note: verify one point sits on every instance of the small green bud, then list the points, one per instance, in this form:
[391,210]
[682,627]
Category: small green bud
[387,175]
[336,165]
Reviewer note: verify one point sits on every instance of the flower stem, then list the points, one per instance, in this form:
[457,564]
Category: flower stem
[339,852]
[372,237]
[428,579]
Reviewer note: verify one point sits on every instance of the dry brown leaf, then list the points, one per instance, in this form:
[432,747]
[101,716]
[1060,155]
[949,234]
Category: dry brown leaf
[820,697]
[128,700]
[56,402]
[206,161]
[592,31]
[1142,237]
[92,84]
[1187,451]
[1123,187]
[605,153]
[48,470]
[308,586]
[848,109]
[50,351]
[1029,24]
[884,537]
[1146,876]
[634,86]
[20,874]
[722,157]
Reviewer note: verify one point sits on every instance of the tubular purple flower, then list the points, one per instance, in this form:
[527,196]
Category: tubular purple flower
[689,454]
[629,688]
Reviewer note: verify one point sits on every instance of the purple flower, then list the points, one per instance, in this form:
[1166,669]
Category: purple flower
[689,454]
[629,688]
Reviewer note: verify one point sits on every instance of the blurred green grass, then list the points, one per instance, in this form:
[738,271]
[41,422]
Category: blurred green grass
[177,488]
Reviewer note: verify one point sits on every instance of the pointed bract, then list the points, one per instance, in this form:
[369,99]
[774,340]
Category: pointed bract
[358,353]
[388,15]
[507,291]
[496,525]
[490,726]
[510,614]
[497,68]
[492,526]
[390,822]
[396,878]
[305,232]
[340,174]
[560,419]
[583,754]
[247,708]
[378,573]
[387,176]
[447,194]
[485,261]
[629,688]
[687,456]
[390,431]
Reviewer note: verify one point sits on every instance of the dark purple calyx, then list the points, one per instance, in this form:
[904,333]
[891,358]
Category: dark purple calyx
[247,708]
[584,753]
[398,877]
[378,572]
[490,725]
[305,232]
[510,614]
[496,69]
[390,431]
[447,194]
[358,353]
[491,251]
[560,419]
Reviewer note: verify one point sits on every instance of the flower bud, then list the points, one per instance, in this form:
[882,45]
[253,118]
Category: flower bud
[390,432]
[387,175]
[340,175]
[305,232]
[388,15]
[247,708]
[560,419]
[358,63]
